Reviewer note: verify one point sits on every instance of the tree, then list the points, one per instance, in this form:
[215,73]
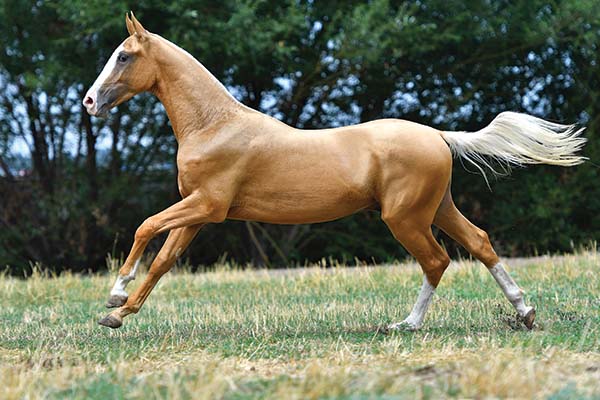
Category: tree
[79,186]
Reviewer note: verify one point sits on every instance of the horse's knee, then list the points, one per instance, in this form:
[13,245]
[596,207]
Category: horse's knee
[145,231]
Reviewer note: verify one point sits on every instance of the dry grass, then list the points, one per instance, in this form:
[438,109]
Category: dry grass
[310,333]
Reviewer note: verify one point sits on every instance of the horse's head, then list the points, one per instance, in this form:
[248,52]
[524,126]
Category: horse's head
[130,70]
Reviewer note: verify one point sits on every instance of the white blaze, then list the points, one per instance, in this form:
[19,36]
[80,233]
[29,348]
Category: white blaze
[106,72]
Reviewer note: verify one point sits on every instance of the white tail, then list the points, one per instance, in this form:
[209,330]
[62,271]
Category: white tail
[514,139]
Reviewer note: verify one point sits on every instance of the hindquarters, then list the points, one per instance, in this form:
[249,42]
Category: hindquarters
[411,194]
[414,176]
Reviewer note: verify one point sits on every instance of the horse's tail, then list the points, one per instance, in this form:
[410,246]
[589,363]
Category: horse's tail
[514,139]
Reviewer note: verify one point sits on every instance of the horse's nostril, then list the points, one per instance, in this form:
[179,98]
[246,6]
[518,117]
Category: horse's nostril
[88,101]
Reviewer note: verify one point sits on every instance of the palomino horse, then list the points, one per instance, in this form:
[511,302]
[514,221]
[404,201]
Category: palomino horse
[235,162]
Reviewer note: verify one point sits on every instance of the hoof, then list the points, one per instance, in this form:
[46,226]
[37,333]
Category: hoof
[111,321]
[116,301]
[529,318]
[404,326]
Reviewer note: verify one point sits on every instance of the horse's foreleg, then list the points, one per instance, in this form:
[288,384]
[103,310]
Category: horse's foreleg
[177,241]
[193,210]
[127,273]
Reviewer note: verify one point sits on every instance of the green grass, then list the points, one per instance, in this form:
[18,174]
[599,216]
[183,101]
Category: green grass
[310,333]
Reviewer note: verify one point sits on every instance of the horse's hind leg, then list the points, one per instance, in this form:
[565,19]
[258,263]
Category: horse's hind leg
[416,237]
[477,243]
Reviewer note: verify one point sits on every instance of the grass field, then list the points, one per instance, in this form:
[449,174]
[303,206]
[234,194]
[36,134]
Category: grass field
[309,333]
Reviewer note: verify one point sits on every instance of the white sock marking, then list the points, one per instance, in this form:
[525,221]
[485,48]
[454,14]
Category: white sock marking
[417,315]
[122,281]
[512,292]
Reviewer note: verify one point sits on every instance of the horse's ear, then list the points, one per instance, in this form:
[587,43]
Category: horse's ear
[129,24]
[138,29]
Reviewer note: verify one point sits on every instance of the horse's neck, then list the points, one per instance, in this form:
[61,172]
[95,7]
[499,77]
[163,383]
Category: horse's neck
[193,98]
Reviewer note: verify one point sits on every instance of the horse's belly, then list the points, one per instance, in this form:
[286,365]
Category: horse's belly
[299,208]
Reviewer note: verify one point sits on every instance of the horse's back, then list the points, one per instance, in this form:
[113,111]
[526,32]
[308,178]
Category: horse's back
[402,149]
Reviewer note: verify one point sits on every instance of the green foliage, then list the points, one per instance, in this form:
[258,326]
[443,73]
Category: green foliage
[452,64]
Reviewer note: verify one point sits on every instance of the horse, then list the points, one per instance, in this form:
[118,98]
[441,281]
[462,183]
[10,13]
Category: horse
[237,163]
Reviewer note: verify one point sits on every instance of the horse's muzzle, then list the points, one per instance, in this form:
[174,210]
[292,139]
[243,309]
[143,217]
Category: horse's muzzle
[98,102]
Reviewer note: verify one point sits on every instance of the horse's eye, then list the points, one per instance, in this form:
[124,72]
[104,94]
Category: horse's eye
[122,58]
